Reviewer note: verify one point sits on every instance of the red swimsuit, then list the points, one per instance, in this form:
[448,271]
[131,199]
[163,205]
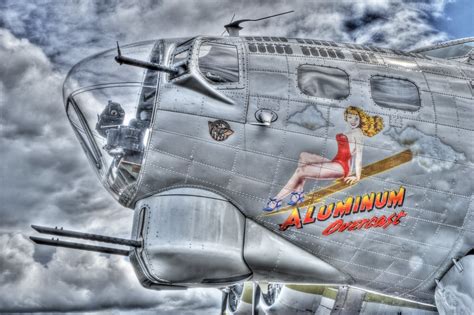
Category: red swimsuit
[343,156]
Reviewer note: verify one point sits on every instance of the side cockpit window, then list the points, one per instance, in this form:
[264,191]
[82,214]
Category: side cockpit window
[180,56]
[219,63]
[181,52]
[324,82]
[395,93]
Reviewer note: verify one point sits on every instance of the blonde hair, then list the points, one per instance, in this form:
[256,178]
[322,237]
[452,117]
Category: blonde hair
[369,125]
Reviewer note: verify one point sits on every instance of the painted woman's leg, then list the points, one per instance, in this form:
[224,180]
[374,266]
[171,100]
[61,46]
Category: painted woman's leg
[305,159]
[328,170]
[300,186]
[310,158]
[294,181]
[316,171]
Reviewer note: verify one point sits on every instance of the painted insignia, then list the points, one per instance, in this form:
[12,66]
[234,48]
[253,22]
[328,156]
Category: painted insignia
[219,130]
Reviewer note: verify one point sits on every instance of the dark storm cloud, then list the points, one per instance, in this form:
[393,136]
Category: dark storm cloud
[81,282]
[70,30]
[45,176]
[46,180]
[40,150]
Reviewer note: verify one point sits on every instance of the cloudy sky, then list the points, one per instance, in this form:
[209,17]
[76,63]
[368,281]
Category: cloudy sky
[45,179]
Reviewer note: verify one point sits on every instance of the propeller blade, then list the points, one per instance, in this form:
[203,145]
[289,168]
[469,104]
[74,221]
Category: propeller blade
[225,297]
[255,298]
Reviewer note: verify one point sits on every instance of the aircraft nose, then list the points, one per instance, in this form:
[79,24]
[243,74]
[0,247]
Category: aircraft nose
[110,109]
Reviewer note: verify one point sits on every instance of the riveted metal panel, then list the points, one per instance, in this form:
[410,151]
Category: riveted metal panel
[181,229]
[255,162]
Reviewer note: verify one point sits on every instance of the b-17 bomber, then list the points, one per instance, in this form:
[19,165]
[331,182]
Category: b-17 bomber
[296,175]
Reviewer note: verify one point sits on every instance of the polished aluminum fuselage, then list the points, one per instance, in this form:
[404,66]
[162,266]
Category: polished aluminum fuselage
[256,161]
[199,197]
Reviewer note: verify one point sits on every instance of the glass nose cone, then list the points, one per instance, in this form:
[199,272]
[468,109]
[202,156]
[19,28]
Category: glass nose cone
[110,109]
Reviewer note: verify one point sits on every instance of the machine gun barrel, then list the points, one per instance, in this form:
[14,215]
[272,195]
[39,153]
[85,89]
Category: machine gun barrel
[86,236]
[142,64]
[93,248]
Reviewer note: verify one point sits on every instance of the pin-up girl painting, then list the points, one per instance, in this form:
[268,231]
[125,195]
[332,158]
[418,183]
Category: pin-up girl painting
[349,151]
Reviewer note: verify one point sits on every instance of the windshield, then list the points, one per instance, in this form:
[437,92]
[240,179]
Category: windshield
[452,51]
[110,108]
[219,62]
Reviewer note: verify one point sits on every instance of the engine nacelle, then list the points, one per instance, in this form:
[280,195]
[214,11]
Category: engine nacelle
[195,238]
[191,237]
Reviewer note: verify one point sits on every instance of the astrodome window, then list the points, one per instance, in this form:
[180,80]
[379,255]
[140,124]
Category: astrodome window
[324,82]
[219,63]
[395,93]
[110,108]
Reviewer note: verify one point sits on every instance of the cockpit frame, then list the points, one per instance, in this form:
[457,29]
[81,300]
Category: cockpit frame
[190,76]
[89,144]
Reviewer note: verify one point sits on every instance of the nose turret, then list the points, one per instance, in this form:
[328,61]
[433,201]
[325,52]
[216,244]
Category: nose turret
[110,109]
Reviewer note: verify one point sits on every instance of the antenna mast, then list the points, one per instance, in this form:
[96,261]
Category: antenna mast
[234,28]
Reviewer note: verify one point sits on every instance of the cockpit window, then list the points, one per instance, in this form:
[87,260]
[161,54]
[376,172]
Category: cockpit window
[181,56]
[181,53]
[219,63]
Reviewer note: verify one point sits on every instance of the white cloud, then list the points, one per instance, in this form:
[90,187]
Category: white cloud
[46,180]
[310,118]
[45,164]
[69,31]
[81,281]
[429,152]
